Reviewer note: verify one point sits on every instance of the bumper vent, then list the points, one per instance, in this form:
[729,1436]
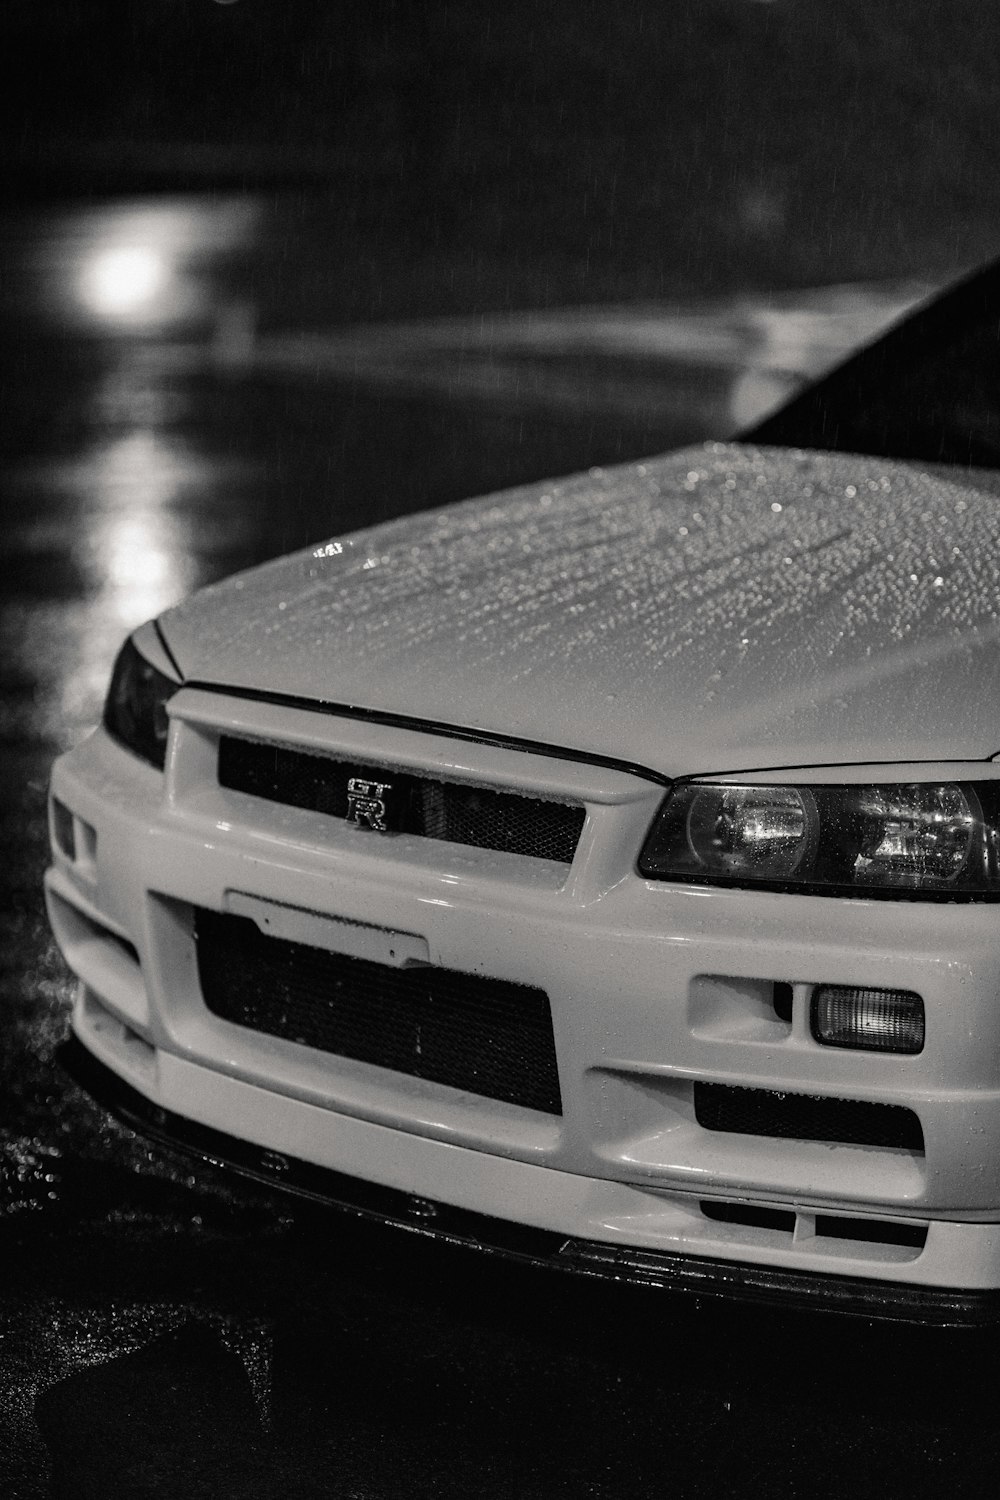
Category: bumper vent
[805,1117]
[450,810]
[826,1226]
[486,1036]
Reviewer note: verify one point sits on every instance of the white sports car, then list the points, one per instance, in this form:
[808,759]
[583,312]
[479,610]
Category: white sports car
[604,872]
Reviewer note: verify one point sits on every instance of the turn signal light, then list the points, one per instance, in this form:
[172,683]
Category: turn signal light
[869,1020]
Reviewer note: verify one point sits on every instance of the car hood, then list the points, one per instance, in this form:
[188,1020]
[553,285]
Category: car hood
[721,608]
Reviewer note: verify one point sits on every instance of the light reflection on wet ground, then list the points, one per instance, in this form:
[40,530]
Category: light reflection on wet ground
[167,1331]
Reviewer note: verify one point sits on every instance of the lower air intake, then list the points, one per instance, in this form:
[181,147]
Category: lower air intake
[486,1036]
[805,1117]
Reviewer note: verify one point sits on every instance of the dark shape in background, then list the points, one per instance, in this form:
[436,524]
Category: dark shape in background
[926,391]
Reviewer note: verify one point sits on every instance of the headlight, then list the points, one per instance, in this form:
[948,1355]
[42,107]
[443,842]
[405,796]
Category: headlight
[135,710]
[936,838]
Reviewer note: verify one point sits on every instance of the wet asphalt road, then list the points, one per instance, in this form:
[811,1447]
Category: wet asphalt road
[168,1331]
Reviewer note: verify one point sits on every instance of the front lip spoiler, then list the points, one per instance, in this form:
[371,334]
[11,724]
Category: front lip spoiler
[789,1290]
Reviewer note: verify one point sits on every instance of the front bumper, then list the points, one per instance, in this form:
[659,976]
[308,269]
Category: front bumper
[655,991]
[699,1276]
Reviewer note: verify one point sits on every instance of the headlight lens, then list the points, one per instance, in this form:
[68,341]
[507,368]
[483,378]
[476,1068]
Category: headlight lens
[929,837]
[135,710]
[764,836]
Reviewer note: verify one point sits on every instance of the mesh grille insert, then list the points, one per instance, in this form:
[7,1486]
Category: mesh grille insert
[451,810]
[805,1117]
[487,1036]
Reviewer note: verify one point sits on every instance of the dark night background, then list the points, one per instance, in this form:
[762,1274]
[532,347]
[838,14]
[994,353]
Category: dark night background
[397,254]
[524,155]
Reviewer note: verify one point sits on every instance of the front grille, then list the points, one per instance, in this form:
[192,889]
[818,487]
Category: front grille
[450,810]
[486,1036]
[805,1117]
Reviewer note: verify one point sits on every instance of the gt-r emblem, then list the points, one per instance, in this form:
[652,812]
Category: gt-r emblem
[367,802]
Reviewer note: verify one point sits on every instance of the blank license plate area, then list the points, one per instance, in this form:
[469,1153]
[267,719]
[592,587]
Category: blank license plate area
[380,945]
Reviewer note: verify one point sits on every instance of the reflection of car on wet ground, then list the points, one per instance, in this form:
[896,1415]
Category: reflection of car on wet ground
[605,871]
